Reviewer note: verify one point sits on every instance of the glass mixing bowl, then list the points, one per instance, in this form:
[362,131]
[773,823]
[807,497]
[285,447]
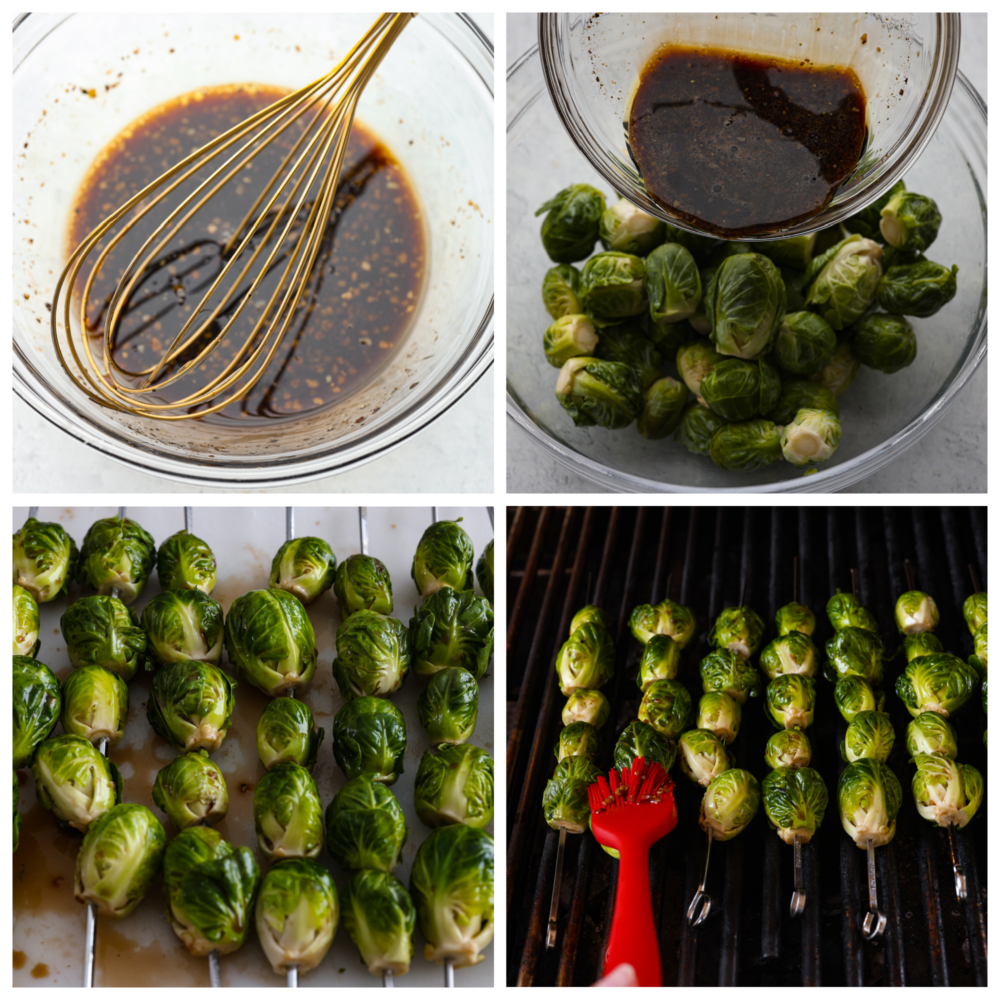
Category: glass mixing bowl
[882,415]
[431,103]
[905,62]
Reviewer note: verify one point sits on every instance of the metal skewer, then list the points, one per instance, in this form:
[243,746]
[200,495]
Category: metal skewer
[550,940]
[434,514]
[189,519]
[701,902]
[292,972]
[33,512]
[363,529]
[489,510]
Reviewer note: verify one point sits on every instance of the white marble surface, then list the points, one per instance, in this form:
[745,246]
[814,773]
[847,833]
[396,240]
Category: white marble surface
[950,459]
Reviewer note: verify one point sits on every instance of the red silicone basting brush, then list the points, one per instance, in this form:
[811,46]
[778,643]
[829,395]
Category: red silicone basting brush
[630,812]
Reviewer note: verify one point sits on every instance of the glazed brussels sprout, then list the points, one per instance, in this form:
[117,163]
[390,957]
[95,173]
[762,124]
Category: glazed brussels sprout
[452,888]
[698,424]
[192,791]
[795,800]
[842,282]
[804,344]
[484,571]
[191,705]
[452,628]
[362,583]
[626,344]
[589,613]
[812,437]
[95,705]
[974,611]
[978,660]
[373,653]
[182,625]
[918,289]
[443,559]
[795,617]
[921,644]
[738,389]
[365,827]
[586,659]
[931,733]
[660,661]
[585,705]
[304,568]
[730,802]
[448,706]
[119,860]
[745,302]
[838,376]
[846,611]
[296,914]
[910,221]
[37,704]
[739,629]
[940,683]
[801,394]
[270,641]
[369,737]
[630,230]
[566,801]
[286,734]
[866,222]
[916,612]
[27,622]
[719,714]
[572,223]
[611,287]
[103,631]
[74,782]
[853,694]
[17,812]
[869,796]
[184,562]
[455,785]
[209,889]
[45,559]
[703,756]
[854,651]
[561,291]
[886,343]
[788,748]
[673,284]
[725,670]
[639,739]
[662,409]
[790,700]
[665,618]
[666,706]
[696,362]
[745,447]
[380,917]
[117,555]
[287,813]
[946,792]
[599,393]
[793,653]
[870,734]
[570,336]
[579,739]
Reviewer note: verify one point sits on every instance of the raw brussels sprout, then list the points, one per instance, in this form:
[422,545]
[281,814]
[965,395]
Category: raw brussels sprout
[673,284]
[117,554]
[703,756]
[452,888]
[793,653]
[910,221]
[745,303]
[853,694]
[790,700]
[868,797]
[45,559]
[570,336]
[584,705]
[842,282]
[192,791]
[182,625]
[571,227]
[855,651]
[103,631]
[840,373]
[369,737]
[739,629]
[804,344]
[586,659]
[978,660]
[931,733]
[866,222]
[698,424]
[95,705]
[746,446]
[666,618]
[719,714]
[590,613]
[630,230]
[696,362]
[17,812]
[886,343]
[484,571]
[736,390]
[578,739]
[921,644]
[795,284]
[730,802]
[698,245]
[810,438]
[286,734]
[801,394]
[918,289]
[270,641]
[795,618]
[443,559]
[455,785]
[566,801]
[304,568]
[666,706]
[870,734]
[727,671]
[37,704]
[560,291]
[119,860]
[639,739]
[380,917]
[362,583]
[788,748]
[74,782]
[626,344]
[184,562]
[793,251]
[611,287]
[191,705]
[916,612]
[365,827]
[660,661]
[296,914]
[373,653]
[26,623]
[939,683]
[209,890]
[452,628]
[599,393]
[448,706]
[287,813]
[795,800]
[845,611]
[662,409]
[946,792]
[974,612]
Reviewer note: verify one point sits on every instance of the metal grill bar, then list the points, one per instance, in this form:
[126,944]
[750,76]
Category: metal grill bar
[527,581]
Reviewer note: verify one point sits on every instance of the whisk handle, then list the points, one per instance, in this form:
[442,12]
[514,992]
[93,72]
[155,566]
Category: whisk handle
[633,936]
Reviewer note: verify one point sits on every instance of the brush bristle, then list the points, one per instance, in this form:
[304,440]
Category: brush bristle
[636,785]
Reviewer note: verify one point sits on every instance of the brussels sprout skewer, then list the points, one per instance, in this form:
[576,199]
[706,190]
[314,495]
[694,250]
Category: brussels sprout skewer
[292,974]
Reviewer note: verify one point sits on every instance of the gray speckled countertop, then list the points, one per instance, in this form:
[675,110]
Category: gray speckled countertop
[950,459]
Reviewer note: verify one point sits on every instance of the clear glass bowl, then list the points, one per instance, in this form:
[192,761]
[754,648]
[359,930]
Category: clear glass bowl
[905,62]
[882,415]
[431,102]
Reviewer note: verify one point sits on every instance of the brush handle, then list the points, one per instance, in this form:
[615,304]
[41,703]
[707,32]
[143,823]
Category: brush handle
[633,932]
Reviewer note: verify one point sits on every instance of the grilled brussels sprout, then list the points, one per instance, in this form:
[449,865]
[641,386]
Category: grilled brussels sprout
[379,916]
[853,694]
[745,302]
[666,706]
[917,289]
[192,791]
[580,739]
[940,683]
[795,800]
[804,344]
[739,629]
[566,801]
[921,644]
[362,583]
[946,792]
[455,785]
[586,659]
[191,705]
[660,661]
[978,660]
[673,284]
[373,654]
[287,734]
[584,705]
[443,559]
[27,622]
[974,611]
[868,797]
[561,290]
[74,782]
[719,714]
[662,409]
[845,610]
[795,618]
[665,618]
[747,446]
[182,625]
[812,437]
[572,223]
[630,230]
[184,562]
[703,755]
[611,287]
[791,653]
[590,613]
[910,221]
[452,628]
[448,706]
[854,651]
[117,554]
[369,737]
[45,559]
[304,568]
[870,734]
[484,571]
[931,733]
[103,631]
[287,813]
[570,336]
[95,705]
[916,612]
[790,700]
[788,748]
[639,739]
[698,424]
[599,393]
[727,671]
[802,394]
[365,827]
[842,282]
[37,704]
[730,802]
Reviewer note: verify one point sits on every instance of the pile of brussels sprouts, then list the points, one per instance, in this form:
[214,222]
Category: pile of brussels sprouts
[766,336]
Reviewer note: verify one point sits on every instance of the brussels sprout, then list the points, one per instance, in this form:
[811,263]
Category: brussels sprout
[566,801]
[810,438]
[184,562]
[270,641]
[586,659]
[626,344]
[27,623]
[296,914]
[579,739]
[639,739]
[611,287]
[369,737]
[795,283]
[793,251]
[727,671]
[666,706]
[373,653]
[365,827]
[443,559]
[586,706]
[739,629]
[866,222]
[696,362]
[103,631]
[916,612]
[662,410]
[660,661]
[842,282]
[37,704]
[455,785]
[795,800]
[630,230]
[590,613]
[191,790]
[287,813]
[74,782]
[918,289]
[117,555]
[698,424]
[191,705]
[119,860]
[730,802]
[857,651]
[974,611]
[945,792]
[795,618]
[800,394]
[853,694]
[870,734]
[665,618]
[978,660]
[845,610]
[599,393]
[571,227]
[95,705]
[910,221]
[733,389]
[17,812]
[805,343]
[886,343]
[939,683]
[379,916]
[286,734]
[838,375]
[182,625]
[362,583]
[745,447]
[921,644]
[699,318]
[570,336]
[698,245]
[448,706]
[703,755]
[788,748]
[719,714]
[745,303]
[931,733]
[673,284]
[209,890]
[793,653]
[452,887]
[560,291]
[452,628]
[790,701]
[484,571]
[304,568]
[869,796]
[45,559]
